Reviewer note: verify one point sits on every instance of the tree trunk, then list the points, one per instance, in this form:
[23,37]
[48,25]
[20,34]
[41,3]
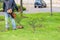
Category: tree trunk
[21,4]
[51,7]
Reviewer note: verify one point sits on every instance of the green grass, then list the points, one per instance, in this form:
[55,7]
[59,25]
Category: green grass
[47,27]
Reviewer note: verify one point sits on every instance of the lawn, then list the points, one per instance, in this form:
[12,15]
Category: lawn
[46,27]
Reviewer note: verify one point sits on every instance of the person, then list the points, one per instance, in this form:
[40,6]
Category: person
[9,4]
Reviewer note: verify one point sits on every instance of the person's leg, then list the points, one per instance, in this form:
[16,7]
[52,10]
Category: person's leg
[13,23]
[6,20]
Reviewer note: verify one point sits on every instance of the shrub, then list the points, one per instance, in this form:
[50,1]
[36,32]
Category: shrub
[1,7]
[19,8]
[1,18]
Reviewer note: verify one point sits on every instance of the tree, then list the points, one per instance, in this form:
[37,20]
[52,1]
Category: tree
[21,7]
[51,7]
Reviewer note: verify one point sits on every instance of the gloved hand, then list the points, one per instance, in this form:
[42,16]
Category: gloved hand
[9,11]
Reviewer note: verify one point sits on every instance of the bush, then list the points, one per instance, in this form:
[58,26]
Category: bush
[1,4]
[1,18]
[19,8]
[1,7]
[23,7]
